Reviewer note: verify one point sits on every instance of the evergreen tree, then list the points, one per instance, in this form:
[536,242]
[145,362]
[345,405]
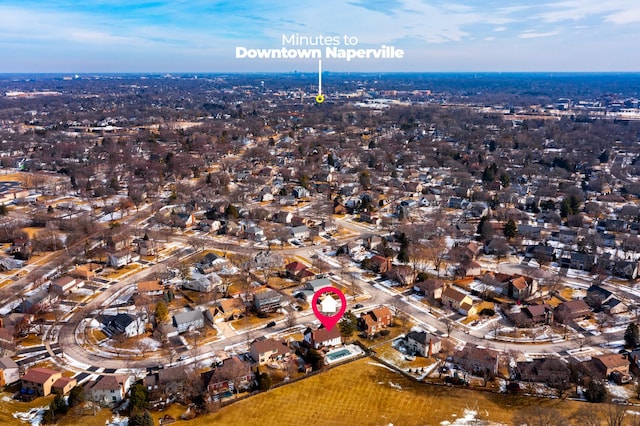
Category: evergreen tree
[348,324]
[510,229]
[76,396]
[161,311]
[596,391]
[632,335]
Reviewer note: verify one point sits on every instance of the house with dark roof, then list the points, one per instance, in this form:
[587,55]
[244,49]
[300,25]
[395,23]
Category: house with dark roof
[231,376]
[128,324]
[166,381]
[550,371]
[569,311]
[423,343]
[39,301]
[531,316]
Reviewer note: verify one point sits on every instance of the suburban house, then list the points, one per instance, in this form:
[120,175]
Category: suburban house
[150,288]
[128,324]
[9,371]
[40,301]
[626,269]
[108,390]
[298,271]
[608,364]
[85,272]
[300,232]
[533,315]
[430,288]
[267,301]
[477,360]
[184,321]
[455,299]
[600,299]
[63,385]
[423,343]
[380,264]
[521,287]
[254,233]
[203,284]
[543,370]
[317,284]
[64,285]
[166,381]
[263,351]
[231,309]
[322,337]
[39,381]
[375,320]
[569,311]
[233,375]
[122,258]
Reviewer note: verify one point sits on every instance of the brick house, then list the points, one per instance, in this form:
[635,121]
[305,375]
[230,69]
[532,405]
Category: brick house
[39,381]
[374,321]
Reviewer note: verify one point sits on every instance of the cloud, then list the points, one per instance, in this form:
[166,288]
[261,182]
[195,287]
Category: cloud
[532,34]
[499,29]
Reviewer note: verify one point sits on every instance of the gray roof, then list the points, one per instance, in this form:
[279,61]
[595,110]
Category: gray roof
[188,317]
[6,363]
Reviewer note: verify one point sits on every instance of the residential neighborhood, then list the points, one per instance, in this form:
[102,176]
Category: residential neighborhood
[177,254]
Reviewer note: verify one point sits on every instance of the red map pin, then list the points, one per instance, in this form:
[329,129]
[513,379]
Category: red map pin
[329,305]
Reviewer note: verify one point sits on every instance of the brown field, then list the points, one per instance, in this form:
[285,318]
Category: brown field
[364,393]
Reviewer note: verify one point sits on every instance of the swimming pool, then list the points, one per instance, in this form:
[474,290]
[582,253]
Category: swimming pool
[333,356]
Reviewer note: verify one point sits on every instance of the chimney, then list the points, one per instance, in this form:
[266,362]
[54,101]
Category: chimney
[430,353]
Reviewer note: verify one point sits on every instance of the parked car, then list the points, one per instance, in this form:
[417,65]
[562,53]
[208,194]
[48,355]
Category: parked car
[270,324]
[358,306]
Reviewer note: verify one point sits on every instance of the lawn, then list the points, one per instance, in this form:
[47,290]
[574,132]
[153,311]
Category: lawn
[365,393]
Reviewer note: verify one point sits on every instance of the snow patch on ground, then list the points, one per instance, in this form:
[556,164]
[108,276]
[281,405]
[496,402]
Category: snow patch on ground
[470,417]
[33,416]
[118,421]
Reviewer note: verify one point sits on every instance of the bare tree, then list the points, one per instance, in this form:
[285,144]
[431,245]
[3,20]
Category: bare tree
[615,414]
[539,416]
[587,416]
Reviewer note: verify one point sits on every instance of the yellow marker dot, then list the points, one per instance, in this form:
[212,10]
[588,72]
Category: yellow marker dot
[320,99]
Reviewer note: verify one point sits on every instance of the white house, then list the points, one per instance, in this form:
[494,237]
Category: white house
[322,337]
[109,390]
[122,258]
[65,284]
[127,324]
[203,284]
[423,343]
[300,232]
[184,321]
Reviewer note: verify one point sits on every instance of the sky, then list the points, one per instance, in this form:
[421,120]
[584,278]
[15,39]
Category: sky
[198,36]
